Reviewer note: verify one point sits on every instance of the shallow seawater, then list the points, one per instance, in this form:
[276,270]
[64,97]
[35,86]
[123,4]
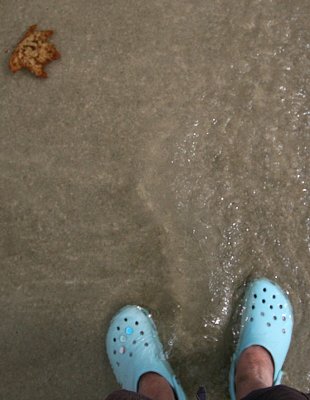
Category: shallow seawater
[228,181]
[173,169]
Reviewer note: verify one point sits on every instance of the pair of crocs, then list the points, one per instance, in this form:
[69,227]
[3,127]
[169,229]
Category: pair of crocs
[134,348]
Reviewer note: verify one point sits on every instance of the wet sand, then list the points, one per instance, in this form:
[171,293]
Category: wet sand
[164,162]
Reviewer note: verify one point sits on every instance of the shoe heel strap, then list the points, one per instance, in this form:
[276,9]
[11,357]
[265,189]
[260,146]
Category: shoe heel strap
[278,379]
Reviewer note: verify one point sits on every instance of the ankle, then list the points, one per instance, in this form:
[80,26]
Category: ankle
[254,371]
[155,386]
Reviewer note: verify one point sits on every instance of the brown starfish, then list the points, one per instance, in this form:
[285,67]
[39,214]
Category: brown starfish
[34,52]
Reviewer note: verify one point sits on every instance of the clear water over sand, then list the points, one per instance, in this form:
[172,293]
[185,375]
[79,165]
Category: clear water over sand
[164,162]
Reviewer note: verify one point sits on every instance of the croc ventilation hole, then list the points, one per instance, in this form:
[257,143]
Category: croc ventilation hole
[271,308]
[128,331]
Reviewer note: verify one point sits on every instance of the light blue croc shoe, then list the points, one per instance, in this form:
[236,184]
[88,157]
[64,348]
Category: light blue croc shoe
[134,348]
[267,321]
